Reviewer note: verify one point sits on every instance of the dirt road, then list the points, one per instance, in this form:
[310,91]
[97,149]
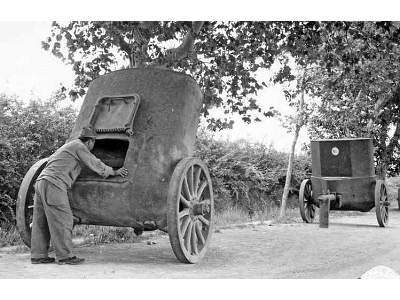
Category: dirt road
[348,248]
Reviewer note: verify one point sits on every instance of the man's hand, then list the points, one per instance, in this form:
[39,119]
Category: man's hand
[123,172]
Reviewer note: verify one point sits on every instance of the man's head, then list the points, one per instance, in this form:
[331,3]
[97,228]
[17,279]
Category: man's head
[88,137]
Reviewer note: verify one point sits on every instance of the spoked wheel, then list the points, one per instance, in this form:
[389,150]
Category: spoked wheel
[306,203]
[381,203]
[25,201]
[190,210]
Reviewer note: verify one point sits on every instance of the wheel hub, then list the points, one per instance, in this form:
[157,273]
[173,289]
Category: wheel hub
[199,209]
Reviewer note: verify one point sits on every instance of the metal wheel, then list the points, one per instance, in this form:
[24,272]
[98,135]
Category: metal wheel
[190,210]
[306,203]
[381,203]
[25,201]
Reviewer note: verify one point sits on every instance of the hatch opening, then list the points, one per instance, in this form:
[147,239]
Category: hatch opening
[111,151]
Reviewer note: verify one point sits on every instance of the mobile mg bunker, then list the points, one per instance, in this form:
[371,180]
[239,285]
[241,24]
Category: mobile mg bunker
[343,178]
[146,120]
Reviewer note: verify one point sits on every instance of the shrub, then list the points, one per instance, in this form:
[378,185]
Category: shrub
[27,134]
[247,175]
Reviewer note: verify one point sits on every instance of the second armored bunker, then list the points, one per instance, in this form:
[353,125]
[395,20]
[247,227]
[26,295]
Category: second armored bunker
[344,167]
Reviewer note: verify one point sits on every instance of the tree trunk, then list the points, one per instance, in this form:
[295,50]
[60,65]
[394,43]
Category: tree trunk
[289,173]
[132,63]
[388,152]
[299,124]
[393,144]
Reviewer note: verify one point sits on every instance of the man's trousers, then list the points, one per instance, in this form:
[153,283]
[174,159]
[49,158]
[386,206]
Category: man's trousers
[52,218]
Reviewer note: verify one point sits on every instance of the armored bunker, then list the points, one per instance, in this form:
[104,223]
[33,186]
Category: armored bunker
[343,174]
[164,132]
[345,167]
[146,120]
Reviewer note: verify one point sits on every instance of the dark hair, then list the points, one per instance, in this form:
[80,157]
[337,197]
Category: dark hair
[84,139]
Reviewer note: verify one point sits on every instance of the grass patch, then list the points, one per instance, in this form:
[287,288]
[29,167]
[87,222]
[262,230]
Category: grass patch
[233,215]
[9,236]
[93,234]
[104,234]
[393,184]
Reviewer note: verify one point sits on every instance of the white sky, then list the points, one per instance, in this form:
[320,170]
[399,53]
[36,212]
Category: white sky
[26,68]
[269,130]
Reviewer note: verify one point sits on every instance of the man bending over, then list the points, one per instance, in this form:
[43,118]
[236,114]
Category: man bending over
[52,215]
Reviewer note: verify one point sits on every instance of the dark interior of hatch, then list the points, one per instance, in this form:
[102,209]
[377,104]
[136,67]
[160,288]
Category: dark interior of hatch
[112,152]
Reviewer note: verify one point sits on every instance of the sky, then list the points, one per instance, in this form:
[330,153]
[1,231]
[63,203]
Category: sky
[29,72]
[26,68]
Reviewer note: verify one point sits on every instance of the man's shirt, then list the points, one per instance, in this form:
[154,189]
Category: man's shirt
[65,165]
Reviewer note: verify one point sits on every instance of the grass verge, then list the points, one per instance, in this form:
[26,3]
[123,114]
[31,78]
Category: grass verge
[9,236]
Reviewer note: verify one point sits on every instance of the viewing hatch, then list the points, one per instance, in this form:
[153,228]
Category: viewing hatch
[115,114]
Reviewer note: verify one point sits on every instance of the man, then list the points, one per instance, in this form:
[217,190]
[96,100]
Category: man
[52,215]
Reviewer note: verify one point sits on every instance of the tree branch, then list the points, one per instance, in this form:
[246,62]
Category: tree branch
[185,49]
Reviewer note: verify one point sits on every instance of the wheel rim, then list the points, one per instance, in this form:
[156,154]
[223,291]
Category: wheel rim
[306,204]
[29,204]
[381,203]
[190,223]
[25,201]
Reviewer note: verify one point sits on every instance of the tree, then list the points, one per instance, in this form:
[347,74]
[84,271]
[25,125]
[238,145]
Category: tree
[354,66]
[360,92]
[299,71]
[356,80]
[228,55]
[298,122]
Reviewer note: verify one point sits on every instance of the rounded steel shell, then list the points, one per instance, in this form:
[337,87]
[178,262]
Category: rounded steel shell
[164,132]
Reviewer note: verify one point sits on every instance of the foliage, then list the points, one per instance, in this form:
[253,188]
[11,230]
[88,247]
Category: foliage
[228,56]
[27,134]
[353,70]
[244,175]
